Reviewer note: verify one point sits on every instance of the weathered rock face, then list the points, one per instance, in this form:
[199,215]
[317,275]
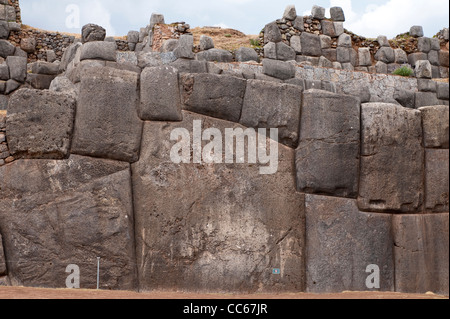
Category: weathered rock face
[327,157]
[436,180]
[435,126]
[107,124]
[56,213]
[342,242]
[2,259]
[273,105]
[92,32]
[422,253]
[40,124]
[391,178]
[227,229]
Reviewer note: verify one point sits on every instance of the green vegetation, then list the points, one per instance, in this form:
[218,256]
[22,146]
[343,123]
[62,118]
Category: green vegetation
[255,43]
[404,71]
[227,35]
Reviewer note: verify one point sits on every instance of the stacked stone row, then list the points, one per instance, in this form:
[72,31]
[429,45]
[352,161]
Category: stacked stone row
[8,19]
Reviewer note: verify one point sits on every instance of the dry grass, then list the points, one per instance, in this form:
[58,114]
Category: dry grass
[227,39]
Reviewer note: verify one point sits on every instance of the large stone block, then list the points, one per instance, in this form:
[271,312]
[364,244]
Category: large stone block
[400,56]
[107,124]
[406,98]
[342,242]
[418,56]
[6,48]
[385,54]
[273,105]
[364,57]
[40,81]
[436,180]
[272,33]
[423,69]
[278,69]
[337,14]
[219,96]
[391,178]
[40,124]
[92,32]
[285,52]
[328,28]
[57,213]
[215,55]
[246,54]
[435,121]
[442,91]
[229,226]
[318,12]
[190,66]
[426,99]
[160,94]
[421,253]
[416,31]
[69,55]
[444,58]
[184,47]
[327,157]
[424,44]
[17,68]
[98,50]
[311,44]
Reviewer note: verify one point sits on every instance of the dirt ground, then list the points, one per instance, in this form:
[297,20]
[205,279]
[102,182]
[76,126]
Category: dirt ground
[38,293]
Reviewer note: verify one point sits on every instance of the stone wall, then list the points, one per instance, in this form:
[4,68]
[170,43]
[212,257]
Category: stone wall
[86,172]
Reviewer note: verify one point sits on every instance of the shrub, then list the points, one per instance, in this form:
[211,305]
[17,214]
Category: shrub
[404,71]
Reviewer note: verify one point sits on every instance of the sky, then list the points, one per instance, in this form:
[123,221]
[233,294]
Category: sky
[368,18]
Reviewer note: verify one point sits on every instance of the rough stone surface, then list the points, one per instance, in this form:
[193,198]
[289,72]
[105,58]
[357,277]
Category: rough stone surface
[45,68]
[391,178]
[400,56]
[184,47]
[160,94]
[92,32]
[17,68]
[364,57]
[342,242]
[436,180]
[219,96]
[285,52]
[215,237]
[385,54]
[424,44]
[57,213]
[215,55]
[278,69]
[416,31]
[190,66]
[246,54]
[406,98]
[423,69]
[98,50]
[414,57]
[318,12]
[107,124]
[337,14]
[272,33]
[2,259]
[435,121]
[383,41]
[442,90]
[290,13]
[40,81]
[444,58]
[426,99]
[345,41]
[425,85]
[327,157]
[273,105]
[40,124]
[311,45]
[64,85]
[206,43]
[421,253]
[6,48]
[69,55]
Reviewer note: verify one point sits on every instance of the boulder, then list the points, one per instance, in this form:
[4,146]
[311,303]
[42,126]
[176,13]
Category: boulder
[385,54]
[299,23]
[272,33]
[435,121]
[337,14]
[63,85]
[424,44]
[160,94]
[436,180]
[364,57]
[246,54]
[215,237]
[92,32]
[342,242]
[98,50]
[442,90]
[383,41]
[148,59]
[156,18]
[45,68]
[416,31]
[215,55]
[414,57]
[184,47]
[311,45]
[17,68]
[190,66]
[40,81]
[40,124]
[391,147]
[423,69]
[107,124]
[278,69]
[327,157]
[318,12]
[290,13]
[54,213]
[169,45]
[133,37]
[6,48]
[421,251]
[285,52]
[28,44]
[219,96]
[273,105]
[345,41]
[69,55]
[328,28]
[406,98]
[206,43]
[426,99]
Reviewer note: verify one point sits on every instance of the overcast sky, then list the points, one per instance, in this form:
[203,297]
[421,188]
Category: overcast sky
[368,18]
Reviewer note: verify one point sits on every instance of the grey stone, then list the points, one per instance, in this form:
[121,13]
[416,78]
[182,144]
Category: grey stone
[267,78]
[219,96]
[17,68]
[184,47]
[98,50]
[328,28]
[345,41]
[4,72]
[107,124]
[325,41]
[361,69]
[206,43]
[296,81]
[435,44]
[318,12]
[327,157]
[444,58]
[6,48]
[299,23]
[400,56]
[4,100]
[383,41]
[310,44]
[4,30]
[238,242]
[385,54]
[169,45]
[92,32]
[342,243]
[433,57]
[168,57]
[11,86]
[444,72]
[51,56]
[339,28]
[160,94]
[40,81]
[20,52]
[344,55]
[246,54]
[278,69]
[190,66]
[416,31]
[406,98]
[423,69]
[272,33]
[54,213]
[156,18]
[285,52]
[14,26]
[364,57]
[391,147]
[148,59]
[308,60]
[426,99]
[442,91]
[330,54]
[414,57]
[425,85]
[337,65]
[424,44]
[215,55]
[40,124]
[435,121]
[348,66]
[436,180]
[325,63]
[69,55]
[45,68]
[63,85]
[273,105]
[28,44]
[421,251]
[270,51]
[329,86]
[2,259]
[313,84]
[290,13]
[133,37]
[337,14]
